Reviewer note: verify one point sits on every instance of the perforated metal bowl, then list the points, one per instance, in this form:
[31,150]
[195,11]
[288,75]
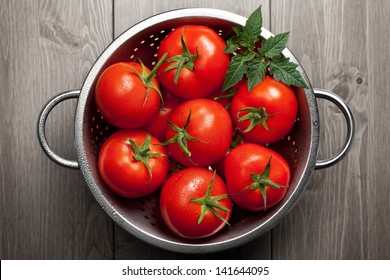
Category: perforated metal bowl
[141,217]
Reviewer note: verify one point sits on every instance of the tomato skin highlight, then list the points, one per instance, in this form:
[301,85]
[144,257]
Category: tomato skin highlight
[209,68]
[121,96]
[181,215]
[247,159]
[209,123]
[280,103]
[122,173]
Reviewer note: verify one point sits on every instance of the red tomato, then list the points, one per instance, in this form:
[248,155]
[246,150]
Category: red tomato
[122,97]
[203,58]
[194,203]
[158,125]
[266,113]
[256,177]
[200,132]
[132,163]
[219,166]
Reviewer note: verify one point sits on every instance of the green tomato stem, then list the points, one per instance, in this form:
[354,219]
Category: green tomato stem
[209,203]
[142,153]
[256,116]
[182,136]
[261,181]
[184,60]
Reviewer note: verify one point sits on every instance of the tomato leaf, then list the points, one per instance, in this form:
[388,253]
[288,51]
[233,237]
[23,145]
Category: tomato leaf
[256,72]
[282,69]
[252,28]
[236,70]
[233,43]
[254,63]
[231,47]
[273,46]
[248,35]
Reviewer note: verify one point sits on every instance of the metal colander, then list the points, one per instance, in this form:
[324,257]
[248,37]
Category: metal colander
[141,217]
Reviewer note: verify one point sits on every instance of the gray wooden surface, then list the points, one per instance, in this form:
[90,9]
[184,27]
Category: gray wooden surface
[47,211]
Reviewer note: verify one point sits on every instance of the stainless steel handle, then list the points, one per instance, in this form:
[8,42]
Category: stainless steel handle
[340,103]
[41,128]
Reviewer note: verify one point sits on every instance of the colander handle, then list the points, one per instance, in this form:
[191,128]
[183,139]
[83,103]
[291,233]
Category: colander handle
[340,103]
[41,128]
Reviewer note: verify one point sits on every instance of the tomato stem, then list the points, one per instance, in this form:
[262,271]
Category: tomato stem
[230,94]
[256,116]
[142,153]
[261,181]
[209,202]
[153,72]
[182,136]
[184,60]
[147,79]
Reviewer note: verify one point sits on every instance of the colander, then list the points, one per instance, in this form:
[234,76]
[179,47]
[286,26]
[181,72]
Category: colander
[141,217]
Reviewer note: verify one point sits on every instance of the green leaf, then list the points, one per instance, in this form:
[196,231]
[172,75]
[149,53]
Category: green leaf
[231,47]
[250,56]
[252,28]
[256,72]
[233,43]
[282,69]
[254,63]
[236,70]
[274,46]
[238,30]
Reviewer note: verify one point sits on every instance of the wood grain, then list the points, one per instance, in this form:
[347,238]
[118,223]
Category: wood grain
[47,211]
[130,12]
[339,216]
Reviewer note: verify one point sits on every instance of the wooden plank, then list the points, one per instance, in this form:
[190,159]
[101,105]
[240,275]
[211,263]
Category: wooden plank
[126,14]
[375,156]
[130,12]
[47,211]
[342,213]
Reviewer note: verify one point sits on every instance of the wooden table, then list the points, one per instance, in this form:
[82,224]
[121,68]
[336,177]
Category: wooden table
[47,211]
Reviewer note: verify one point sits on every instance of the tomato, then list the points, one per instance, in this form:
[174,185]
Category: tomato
[132,163]
[266,113]
[158,125]
[219,166]
[200,132]
[197,68]
[194,203]
[256,177]
[122,97]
